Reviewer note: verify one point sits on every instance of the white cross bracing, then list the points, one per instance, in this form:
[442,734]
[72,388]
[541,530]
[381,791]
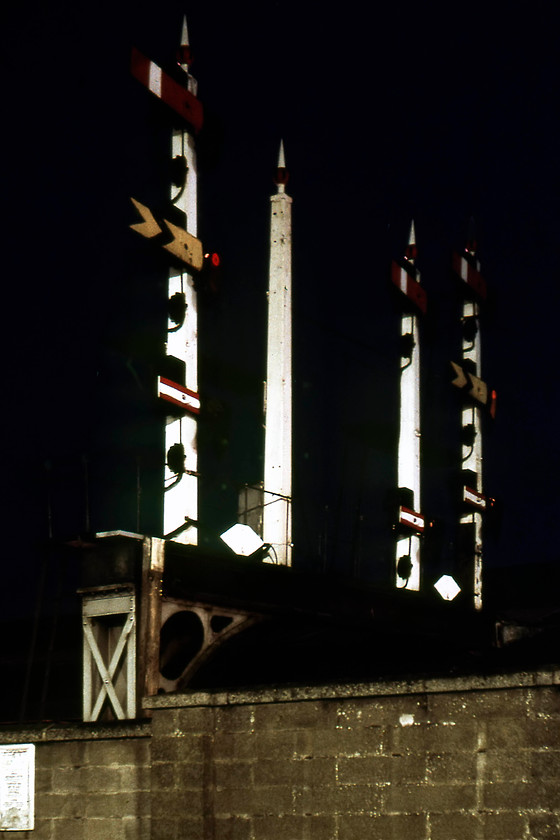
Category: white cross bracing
[96,634]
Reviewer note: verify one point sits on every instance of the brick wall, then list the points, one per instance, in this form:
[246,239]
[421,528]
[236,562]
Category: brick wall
[449,759]
[437,760]
[91,783]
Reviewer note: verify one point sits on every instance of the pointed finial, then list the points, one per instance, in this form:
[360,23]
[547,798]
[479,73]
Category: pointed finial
[184,54]
[185,33]
[281,156]
[410,253]
[412,234]
[282,175]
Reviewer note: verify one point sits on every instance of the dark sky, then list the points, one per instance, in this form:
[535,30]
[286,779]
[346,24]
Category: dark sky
[387,114]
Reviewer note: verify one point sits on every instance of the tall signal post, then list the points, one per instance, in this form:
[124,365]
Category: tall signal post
[177,385]
[277,496]
[410,522]
[467,376]
[180,506]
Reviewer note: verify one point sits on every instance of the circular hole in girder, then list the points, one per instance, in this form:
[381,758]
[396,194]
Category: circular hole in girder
[181,638]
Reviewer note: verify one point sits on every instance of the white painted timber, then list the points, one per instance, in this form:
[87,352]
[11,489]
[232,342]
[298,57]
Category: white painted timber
[181,497]
[277,512]
[409,446]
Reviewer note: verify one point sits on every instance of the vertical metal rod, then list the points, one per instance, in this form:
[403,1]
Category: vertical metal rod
[86,494]
[52,636]
[38,601]
[324,540]
[355,551]
[138,494]
[34,634]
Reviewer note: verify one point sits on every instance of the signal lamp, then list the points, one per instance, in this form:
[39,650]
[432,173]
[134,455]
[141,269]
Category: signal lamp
[179,168]
[177,307]
[470,328]
[206,281]
[407,345]
[404,566]
[468,435]
[493,518]
[212,260]
[176,458]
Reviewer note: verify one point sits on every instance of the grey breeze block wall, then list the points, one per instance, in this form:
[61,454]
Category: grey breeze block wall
[447,759]
[92,782]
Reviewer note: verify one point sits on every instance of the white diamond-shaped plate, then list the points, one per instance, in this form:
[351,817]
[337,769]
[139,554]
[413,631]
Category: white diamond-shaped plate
[447,587]
[242,539]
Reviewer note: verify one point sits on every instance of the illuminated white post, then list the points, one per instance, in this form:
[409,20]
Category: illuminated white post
[408,545]
[180,506]
[471,455]
[277,500]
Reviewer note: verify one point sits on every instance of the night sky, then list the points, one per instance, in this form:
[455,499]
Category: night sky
[438,114]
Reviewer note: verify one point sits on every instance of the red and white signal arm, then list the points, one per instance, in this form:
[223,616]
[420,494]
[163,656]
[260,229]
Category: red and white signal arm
[407,283]
[474,498]
[175,95]
[178,395]
[470,275]
[411,519]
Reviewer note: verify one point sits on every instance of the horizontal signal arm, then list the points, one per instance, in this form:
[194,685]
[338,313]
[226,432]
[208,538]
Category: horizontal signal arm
[411,519]
[470,275]
[409,286]
[175,95]
[178,395]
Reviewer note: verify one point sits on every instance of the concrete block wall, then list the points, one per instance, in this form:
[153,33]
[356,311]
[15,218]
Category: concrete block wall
[447,759]
[91,783]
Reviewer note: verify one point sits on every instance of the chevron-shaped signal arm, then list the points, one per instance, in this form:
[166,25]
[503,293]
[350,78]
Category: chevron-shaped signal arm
[476,388]
[183,246]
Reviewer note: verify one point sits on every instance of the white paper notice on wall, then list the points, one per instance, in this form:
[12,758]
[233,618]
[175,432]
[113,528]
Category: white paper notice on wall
[17,787]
